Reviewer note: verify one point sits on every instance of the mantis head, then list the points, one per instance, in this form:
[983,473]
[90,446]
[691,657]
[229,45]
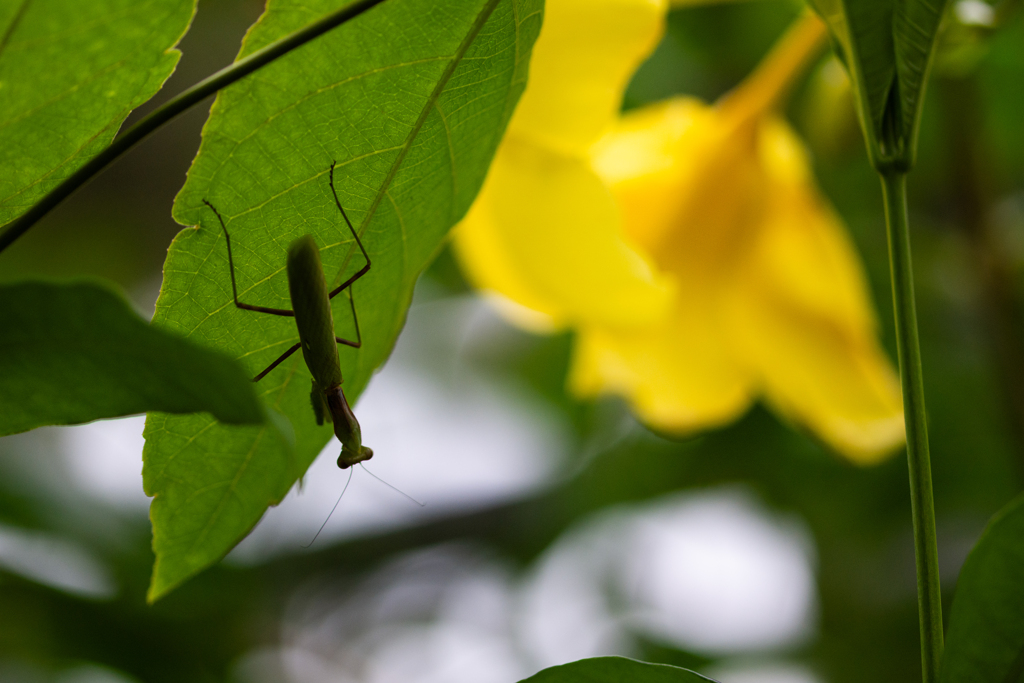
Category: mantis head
[346,428]
[350,456]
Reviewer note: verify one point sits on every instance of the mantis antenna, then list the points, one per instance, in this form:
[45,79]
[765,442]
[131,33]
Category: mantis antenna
[344,488]
[393,488]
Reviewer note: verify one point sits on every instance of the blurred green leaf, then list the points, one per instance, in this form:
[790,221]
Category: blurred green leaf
[73,353]
[887,46]
[411,100]
[985,639]
[615,670]
[70,72]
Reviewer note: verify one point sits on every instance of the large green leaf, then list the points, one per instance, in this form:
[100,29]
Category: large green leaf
[985,641]
[615,670]
[70,72]
[411,100]
[72,353]
[887,45]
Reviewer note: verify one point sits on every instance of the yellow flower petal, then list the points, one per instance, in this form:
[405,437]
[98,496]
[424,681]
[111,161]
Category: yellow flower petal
[803,248]
[643,157]
[679,377]
[691,188]
[689,178]
[801,314]
[843,389]
[545,232]
[581,64]
[490,266]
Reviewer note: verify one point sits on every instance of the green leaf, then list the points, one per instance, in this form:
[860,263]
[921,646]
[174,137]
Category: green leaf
[615,670]
[72,353]
[411,100]
[915,28]
[70,72]
[985,639]
[887,46]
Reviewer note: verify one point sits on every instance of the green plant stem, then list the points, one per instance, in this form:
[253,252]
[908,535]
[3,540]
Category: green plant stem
[175,106]
[929,591]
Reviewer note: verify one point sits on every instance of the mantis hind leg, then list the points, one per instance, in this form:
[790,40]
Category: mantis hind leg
[366,268]
[347,284]
[234,288]
[359,337]
[282,358]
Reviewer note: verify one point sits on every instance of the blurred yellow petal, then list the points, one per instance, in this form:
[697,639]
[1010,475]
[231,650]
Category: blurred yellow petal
[803,248]
[583,59]
[545,232]
[689,178]
[643,157]
[490,265]
[800,313]
[523,317]
[844,390]
[678,377]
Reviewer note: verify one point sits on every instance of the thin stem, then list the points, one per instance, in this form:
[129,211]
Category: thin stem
[929,592]
[172,108]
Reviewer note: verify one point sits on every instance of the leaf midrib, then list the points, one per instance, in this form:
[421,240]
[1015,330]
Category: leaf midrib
[417,126]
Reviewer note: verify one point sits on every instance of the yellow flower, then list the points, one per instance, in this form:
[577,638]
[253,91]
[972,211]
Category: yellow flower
[684,243]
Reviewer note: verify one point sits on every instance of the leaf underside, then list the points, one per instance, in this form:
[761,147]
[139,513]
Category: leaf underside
[77,352]
[887,46]
[70,72]
[410,100]
[615,670]
[985,639]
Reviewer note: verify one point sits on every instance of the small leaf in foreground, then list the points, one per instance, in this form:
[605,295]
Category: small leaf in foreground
[615,670]
[985,639]
[70,72]
[73,353]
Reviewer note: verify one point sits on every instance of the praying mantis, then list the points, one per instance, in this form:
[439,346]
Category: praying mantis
[311,308]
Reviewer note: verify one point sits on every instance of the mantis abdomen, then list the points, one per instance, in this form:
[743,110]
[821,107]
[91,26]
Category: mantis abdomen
[312,305]
[308,288]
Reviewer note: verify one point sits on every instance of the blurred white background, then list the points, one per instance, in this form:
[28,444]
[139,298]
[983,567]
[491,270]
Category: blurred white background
[713,573]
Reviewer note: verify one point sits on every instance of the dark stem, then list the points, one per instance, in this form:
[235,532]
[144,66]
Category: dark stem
[929,591]
[172,108]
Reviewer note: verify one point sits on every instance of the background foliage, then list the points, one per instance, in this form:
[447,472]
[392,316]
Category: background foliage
[967,211]
[59,112]
[110,359]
